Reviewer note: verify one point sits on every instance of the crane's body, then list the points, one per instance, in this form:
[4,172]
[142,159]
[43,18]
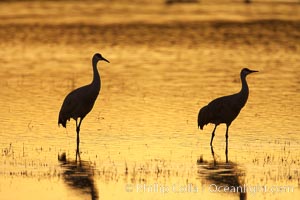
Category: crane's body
[80,101]
[225,109]
[222,110]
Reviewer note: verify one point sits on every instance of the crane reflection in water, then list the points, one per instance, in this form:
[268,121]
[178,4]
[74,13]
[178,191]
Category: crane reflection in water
[222,176]
[80,177]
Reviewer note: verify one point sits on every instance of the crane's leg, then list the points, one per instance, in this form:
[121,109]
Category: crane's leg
[78,140]
[213,154]
[226,150]
[213,135]
[77,147]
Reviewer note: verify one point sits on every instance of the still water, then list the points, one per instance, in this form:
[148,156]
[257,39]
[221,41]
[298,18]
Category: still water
[141,140]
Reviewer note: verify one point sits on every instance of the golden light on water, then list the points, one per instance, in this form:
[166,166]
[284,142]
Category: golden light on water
[141,140]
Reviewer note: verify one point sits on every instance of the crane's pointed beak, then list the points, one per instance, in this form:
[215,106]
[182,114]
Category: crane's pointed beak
[105,59]
[253,71]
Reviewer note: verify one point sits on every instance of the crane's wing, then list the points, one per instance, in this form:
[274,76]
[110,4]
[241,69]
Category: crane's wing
[70,105]
[67,107]
[77,104]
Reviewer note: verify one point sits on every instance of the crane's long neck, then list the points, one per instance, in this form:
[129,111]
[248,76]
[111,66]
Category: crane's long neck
[96,79]
[244,91]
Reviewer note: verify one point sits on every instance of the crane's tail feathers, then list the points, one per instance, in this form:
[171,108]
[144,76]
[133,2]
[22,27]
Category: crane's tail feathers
[200,127]
[62,122]
[203,117]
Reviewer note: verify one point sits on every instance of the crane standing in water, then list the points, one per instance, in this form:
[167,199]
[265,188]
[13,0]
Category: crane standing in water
[80,101]
[225,109]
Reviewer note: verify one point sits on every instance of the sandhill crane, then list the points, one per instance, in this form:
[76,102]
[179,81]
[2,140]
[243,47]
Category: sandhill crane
[225,109]
[80,101]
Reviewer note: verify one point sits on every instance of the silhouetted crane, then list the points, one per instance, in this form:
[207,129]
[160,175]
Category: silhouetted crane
[80,101]
[225,109]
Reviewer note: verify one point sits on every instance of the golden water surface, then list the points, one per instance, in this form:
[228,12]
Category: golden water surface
[141,140]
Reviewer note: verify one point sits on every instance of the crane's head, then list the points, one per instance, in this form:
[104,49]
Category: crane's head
[247,71]
[99,57]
